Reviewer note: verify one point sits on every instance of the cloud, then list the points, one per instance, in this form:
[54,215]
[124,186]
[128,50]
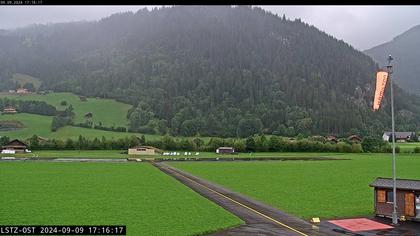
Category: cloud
[361,26]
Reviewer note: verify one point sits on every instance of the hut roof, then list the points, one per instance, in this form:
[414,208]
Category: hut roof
[407,184]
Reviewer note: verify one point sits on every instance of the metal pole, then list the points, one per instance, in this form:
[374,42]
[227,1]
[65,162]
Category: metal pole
[394,192]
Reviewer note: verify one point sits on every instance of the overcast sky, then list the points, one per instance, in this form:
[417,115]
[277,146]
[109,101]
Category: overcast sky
[361,26]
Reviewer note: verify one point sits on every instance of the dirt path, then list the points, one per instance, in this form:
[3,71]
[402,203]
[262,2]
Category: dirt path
[259,218]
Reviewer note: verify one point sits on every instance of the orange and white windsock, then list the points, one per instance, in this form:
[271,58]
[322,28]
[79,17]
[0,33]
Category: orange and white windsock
[381,80]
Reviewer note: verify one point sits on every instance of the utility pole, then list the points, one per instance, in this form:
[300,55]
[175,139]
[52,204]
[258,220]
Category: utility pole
[394,191]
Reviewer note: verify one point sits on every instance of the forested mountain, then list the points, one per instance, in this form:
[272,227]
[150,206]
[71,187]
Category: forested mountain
[405,49]
[219,71]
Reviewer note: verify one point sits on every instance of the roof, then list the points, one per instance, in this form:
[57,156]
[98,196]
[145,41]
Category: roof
[354,136]
[15,142]
[225,148]
[408,184]
[400,134]
[148,147]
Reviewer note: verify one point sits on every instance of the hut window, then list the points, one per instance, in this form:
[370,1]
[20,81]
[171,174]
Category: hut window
[389,196]
[381,195]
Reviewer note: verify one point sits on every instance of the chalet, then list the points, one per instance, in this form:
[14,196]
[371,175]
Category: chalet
[22,91]
[9,110]
[225,150]
[399,136]
[408,198]
[354,139]
[142,150]
[16,145]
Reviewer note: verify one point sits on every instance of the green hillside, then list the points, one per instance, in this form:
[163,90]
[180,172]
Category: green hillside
[107,111]
[22,79]
[41,126]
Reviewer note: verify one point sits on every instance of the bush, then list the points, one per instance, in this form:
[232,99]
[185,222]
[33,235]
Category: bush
[417,150]
[63,103]
[371,144]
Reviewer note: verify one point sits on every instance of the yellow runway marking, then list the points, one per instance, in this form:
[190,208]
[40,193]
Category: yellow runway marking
[247,207]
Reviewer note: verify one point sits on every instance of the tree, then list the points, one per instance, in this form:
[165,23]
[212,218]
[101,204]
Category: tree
[34,142]
[371,144]
[250,144]
[29,87]
[249,126]
[63,103]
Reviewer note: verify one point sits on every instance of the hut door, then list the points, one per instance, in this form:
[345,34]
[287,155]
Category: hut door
[409,204]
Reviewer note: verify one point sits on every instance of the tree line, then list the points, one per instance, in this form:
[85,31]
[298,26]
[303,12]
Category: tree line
[32,107]
[256,143]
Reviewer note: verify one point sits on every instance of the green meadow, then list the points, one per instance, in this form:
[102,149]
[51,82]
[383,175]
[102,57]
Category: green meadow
[41,126]
[326,189]
[22,79]
[107,111]
[137,195]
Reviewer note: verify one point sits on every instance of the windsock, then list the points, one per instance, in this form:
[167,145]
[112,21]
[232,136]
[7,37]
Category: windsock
[381,79]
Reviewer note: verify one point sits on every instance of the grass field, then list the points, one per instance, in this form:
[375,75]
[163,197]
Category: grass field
[326,189]
[41,126]
[107,111]
[408,147]
[137,195]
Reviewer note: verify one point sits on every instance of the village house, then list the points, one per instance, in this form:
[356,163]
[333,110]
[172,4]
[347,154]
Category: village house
[22,91]
[9,110]
[16,146]
[83,98]
[332,139]
[225,150]
[399,136]
[142,150]
[408,198]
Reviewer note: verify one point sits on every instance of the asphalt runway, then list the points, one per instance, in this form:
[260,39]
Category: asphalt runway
[259,218]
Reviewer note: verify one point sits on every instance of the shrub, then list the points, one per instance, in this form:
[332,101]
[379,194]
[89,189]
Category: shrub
[417,150]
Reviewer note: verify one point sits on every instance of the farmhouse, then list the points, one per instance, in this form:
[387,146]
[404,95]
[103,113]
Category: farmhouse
[142,150]
[16,145]
[83,98]
[399,136]
[408,198]
[225,150]
[9,110]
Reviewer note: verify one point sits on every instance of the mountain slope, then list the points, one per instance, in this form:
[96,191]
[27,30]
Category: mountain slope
[221,71]
[405,50]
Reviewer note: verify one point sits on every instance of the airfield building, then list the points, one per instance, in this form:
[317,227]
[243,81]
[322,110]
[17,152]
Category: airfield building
[408,198]
[142,150]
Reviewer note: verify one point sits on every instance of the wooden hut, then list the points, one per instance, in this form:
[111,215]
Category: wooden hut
[408,198]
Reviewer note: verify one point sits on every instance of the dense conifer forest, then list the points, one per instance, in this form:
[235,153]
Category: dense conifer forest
[210,71]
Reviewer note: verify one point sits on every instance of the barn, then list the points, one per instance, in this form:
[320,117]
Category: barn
[408,198]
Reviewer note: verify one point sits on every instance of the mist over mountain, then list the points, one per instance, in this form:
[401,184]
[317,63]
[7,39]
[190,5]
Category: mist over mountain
[218,71]
[405,49]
